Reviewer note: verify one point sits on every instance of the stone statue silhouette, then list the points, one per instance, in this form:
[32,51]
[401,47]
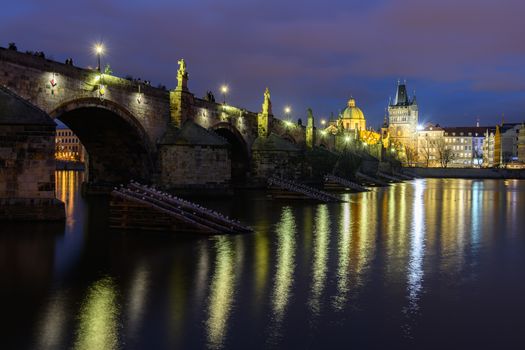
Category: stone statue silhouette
[267,104]
[182,66]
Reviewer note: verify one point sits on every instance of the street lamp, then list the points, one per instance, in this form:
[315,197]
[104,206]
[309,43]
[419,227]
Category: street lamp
[99,51]
[323,122]
[224,91]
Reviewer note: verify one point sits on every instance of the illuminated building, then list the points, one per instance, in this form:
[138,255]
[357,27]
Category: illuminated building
[68,146]
[466,144]
[429,140]
[508,140]
[349,131]
[488,147]
[521,144]
[352,117]
[403,118]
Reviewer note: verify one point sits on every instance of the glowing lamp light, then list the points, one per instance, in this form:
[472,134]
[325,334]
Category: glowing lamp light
[420,127]
[224,89]
[99,49]
[287,109]
[288,123]
[347,139]
[323,122]
[365,144]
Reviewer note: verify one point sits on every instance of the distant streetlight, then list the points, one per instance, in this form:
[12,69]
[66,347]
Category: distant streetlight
[99,51]
[224,91]
[287,110]
[323,122]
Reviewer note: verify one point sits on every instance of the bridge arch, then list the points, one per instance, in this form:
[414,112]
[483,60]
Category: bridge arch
[117,144]
[239,153]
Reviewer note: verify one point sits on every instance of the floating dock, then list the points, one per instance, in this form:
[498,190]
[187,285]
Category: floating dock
[139,207]
[287,189]
[336,183]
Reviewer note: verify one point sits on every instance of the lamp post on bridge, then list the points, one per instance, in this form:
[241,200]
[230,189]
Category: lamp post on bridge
[287,112]
[99,51]
[224,91]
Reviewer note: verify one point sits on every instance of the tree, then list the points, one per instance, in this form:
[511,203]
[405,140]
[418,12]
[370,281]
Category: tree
[411,155]
[426,151]
[445,154]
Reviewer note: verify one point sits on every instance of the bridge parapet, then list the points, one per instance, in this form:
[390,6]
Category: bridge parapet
[48,85]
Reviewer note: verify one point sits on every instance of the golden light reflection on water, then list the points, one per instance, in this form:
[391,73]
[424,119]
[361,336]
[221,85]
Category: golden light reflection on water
[363,245]
[261,265]
[66,184]
[319,267]
[286,231]
[343,255]
[98,321]
[222,291]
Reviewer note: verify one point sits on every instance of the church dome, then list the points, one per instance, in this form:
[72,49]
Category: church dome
[352,112]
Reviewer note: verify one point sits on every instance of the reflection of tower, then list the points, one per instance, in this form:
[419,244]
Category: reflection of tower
[403,118]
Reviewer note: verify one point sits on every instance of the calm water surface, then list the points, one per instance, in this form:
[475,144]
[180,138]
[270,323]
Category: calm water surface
[423,264]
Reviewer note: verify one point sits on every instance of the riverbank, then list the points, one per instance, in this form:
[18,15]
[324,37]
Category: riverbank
[469,173]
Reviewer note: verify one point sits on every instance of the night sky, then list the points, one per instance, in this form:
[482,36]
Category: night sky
[464,58]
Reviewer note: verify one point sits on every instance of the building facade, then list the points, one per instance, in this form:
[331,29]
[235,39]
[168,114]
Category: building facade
[509,140]
[403,119]
[521,144]
[429,141]
[466,144]
[68,146]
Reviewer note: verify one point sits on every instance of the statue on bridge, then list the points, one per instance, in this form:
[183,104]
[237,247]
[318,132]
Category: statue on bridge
[182,76]
[267,104]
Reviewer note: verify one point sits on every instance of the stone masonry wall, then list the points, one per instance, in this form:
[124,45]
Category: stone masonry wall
[285,164]
[189,166]
[27,163]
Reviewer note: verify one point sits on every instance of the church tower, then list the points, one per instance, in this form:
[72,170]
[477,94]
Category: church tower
[403,118]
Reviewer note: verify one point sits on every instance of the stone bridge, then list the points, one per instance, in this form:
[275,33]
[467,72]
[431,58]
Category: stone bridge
[127,127]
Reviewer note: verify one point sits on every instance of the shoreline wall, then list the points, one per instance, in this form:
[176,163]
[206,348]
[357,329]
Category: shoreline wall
[469,173]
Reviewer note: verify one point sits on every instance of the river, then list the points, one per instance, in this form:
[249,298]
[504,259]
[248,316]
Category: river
[430,263]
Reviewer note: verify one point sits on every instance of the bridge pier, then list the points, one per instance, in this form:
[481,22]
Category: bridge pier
[27,164]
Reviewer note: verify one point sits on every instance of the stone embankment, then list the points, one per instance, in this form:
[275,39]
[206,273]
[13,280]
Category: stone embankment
[469,173]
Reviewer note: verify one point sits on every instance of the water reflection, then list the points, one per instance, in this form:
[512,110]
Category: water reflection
[98,320]
[53,324]
[67,185]
[222,291]
[138,295]
[344,255]
[286,232]
[371,259]
[322,240]
[417,247]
